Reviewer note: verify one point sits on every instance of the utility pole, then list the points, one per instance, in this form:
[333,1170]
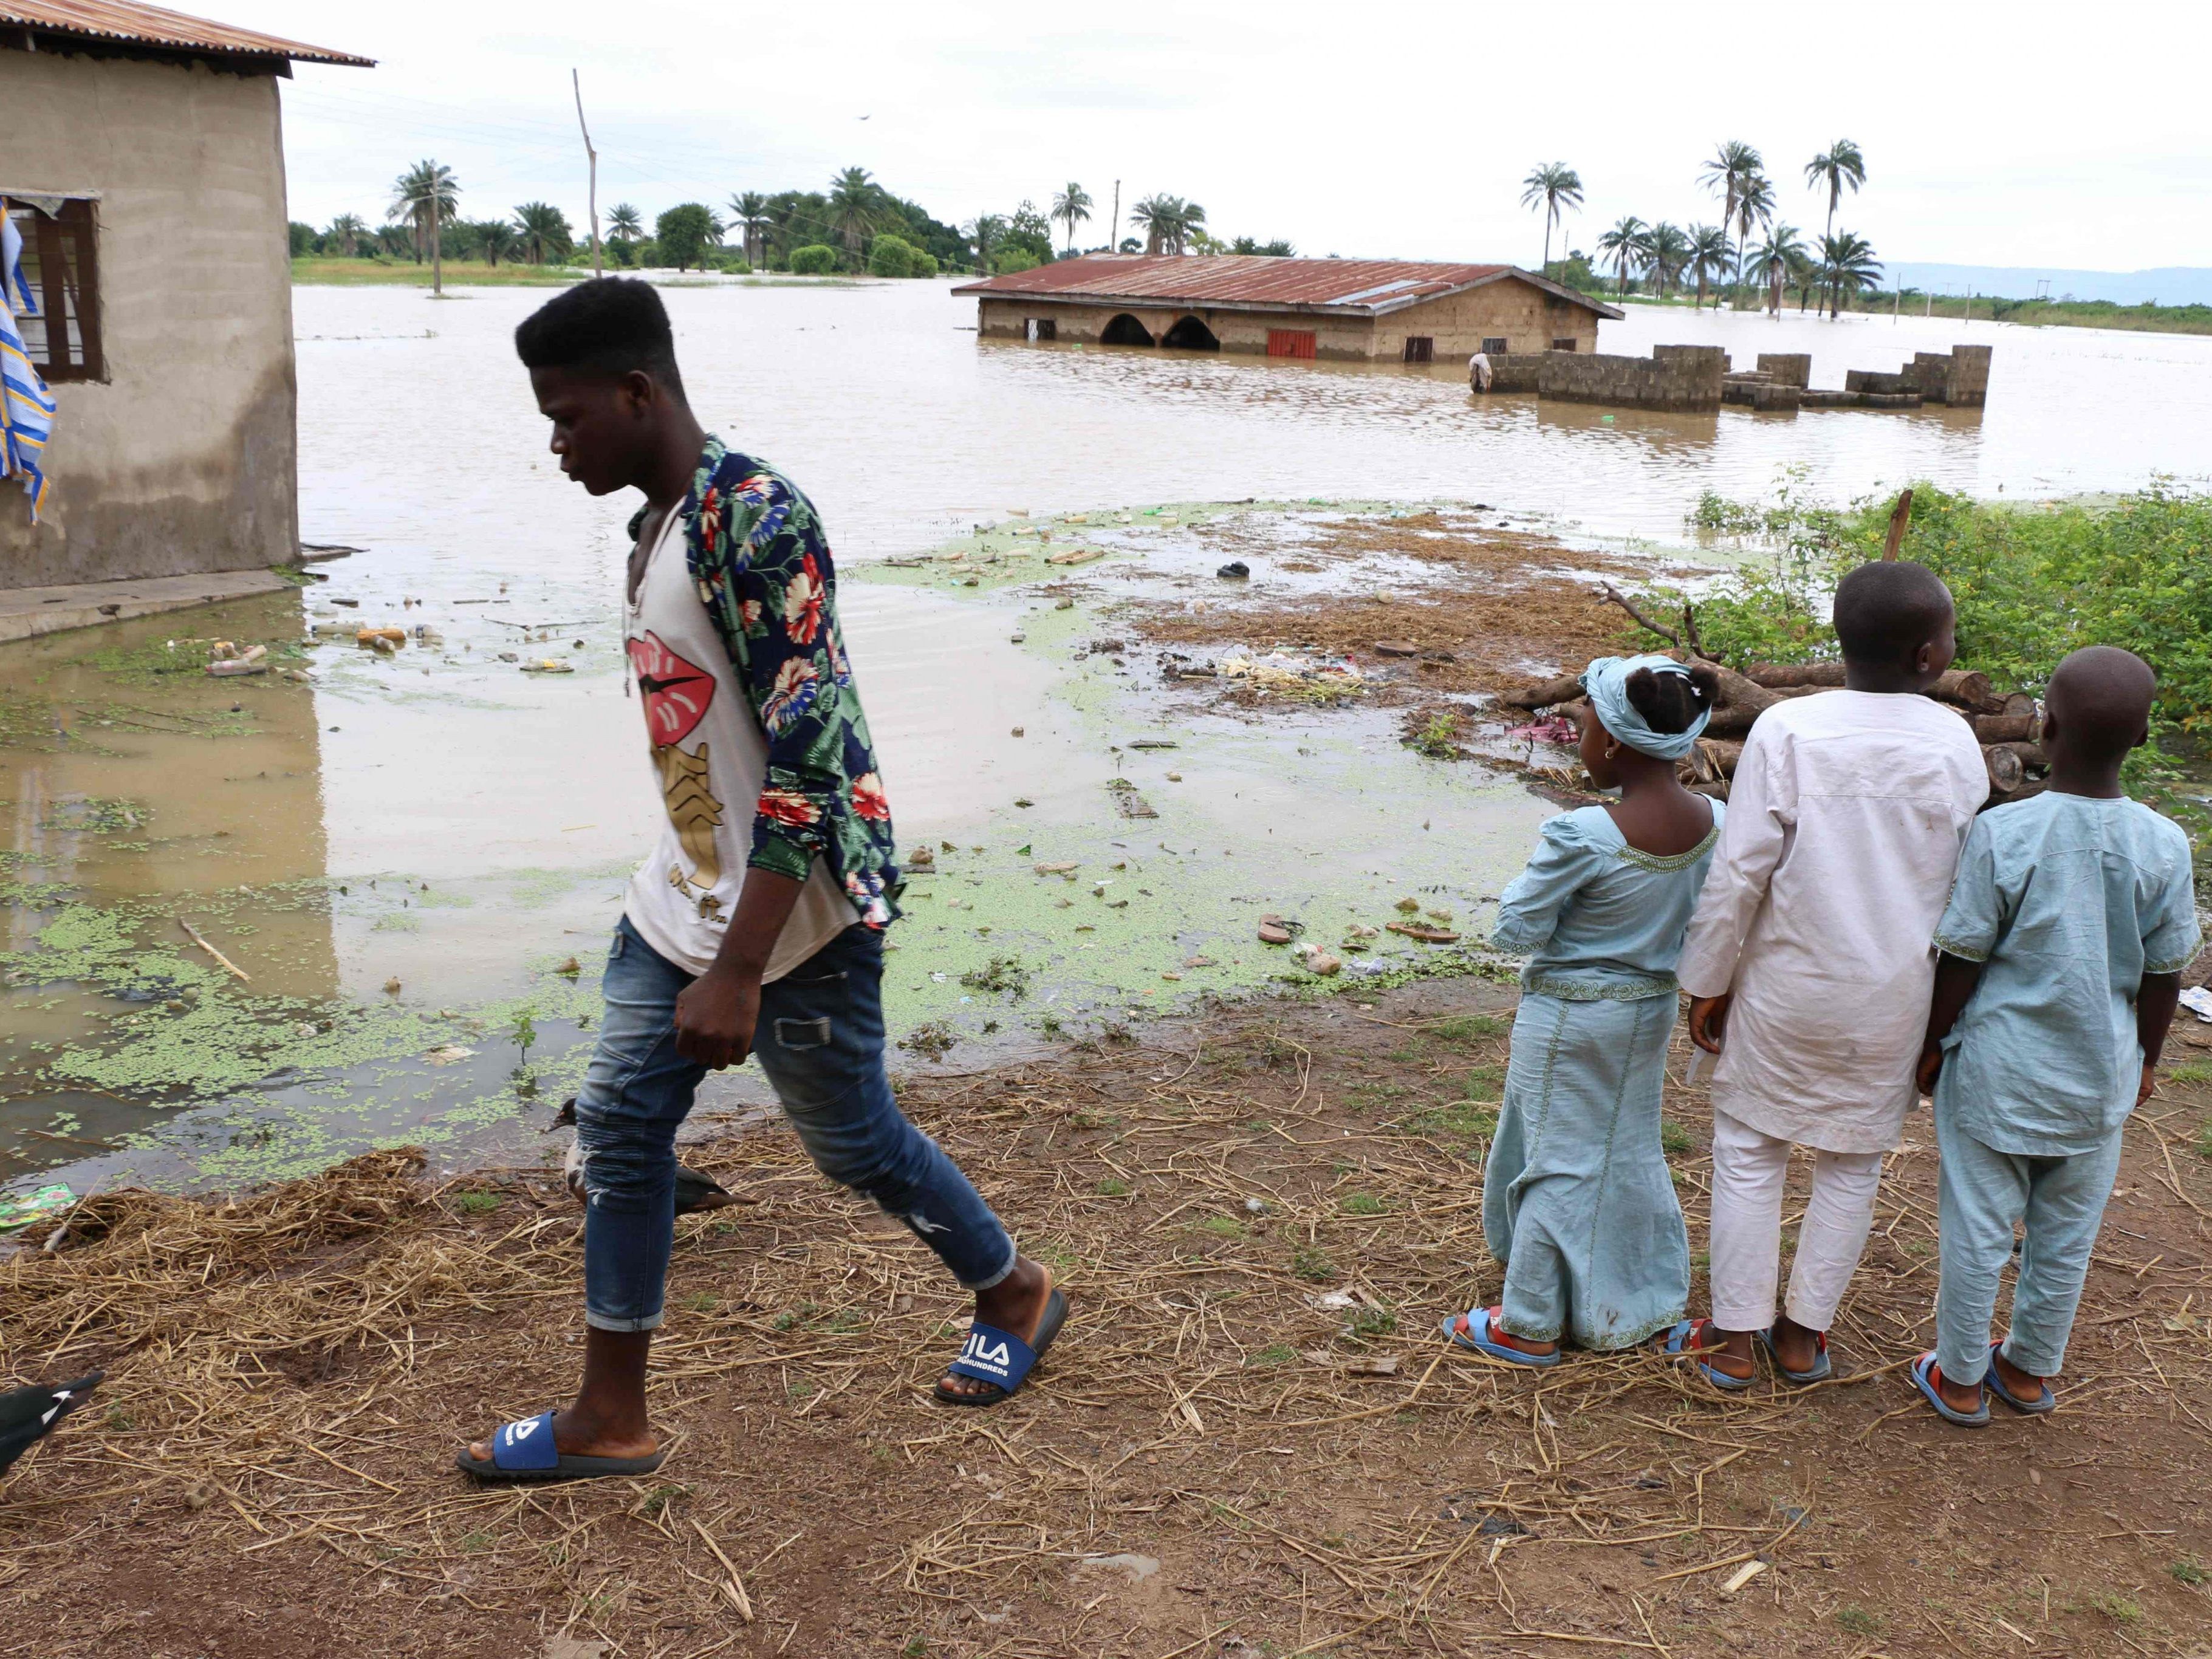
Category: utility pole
[1114,234]
[592,157]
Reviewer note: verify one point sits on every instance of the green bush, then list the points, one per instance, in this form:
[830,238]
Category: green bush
[733,264]
[1007,261]
[891,256]
[684,232]
[813,260]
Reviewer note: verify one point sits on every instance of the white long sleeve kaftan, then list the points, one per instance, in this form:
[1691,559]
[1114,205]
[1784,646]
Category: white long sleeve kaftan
[1843,828]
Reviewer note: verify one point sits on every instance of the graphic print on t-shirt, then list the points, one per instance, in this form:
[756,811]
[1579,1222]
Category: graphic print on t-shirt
[676,692]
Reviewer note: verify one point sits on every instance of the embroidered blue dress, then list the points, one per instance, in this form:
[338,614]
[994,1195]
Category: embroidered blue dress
[1577,1199]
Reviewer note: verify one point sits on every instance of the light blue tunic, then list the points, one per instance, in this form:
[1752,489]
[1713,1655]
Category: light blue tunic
[1576,1198]
[2067,902]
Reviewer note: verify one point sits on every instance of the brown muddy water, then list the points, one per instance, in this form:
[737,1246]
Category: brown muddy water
[444,825]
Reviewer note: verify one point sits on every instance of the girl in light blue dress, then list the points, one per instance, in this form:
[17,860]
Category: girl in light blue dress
[1577,1199]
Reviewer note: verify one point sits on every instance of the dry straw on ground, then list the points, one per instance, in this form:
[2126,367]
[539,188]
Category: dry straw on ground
[267,1470]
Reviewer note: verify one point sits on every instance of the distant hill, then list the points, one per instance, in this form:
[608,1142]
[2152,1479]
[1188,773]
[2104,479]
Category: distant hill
[2169,285]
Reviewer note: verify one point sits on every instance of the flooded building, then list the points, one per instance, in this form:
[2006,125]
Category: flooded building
[143,172]
[1362,310]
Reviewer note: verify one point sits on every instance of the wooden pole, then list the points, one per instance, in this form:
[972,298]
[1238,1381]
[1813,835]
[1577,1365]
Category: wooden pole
[1899,516]
[1114,236]
[592,157]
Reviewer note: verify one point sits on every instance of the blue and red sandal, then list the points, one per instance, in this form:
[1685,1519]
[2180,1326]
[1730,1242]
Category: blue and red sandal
[1927,1375]
[1821,1370]
[1481,1321]
[1995,1384]
[1686,1339]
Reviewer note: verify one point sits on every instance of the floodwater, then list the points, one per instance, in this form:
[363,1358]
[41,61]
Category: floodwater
[414,860]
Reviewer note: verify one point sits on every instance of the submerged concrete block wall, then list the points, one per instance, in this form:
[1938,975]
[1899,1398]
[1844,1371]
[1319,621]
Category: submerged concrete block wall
[1969,387]
[1787,368]
[184,458]
[1678,377]
[1516,371]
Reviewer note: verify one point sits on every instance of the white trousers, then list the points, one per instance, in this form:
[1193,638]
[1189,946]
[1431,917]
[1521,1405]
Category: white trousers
[1749,1170]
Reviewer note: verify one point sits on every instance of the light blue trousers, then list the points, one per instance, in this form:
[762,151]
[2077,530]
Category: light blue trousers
[1983,1193]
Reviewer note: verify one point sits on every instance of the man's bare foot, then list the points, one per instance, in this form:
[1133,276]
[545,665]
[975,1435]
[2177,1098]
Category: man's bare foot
[1796,1347]
[1505,1339]
[1963,1398]
[2021,1385]
[1015,1303]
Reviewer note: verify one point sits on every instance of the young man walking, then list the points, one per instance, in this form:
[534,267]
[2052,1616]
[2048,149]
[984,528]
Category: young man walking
[756,925]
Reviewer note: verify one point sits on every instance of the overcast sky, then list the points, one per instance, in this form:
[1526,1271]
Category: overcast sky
[2028,136]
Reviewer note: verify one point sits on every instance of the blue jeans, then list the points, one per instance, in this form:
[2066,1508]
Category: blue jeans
[820,1039]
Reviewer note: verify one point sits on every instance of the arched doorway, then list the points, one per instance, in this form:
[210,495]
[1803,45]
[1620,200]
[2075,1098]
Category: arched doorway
[1190,335]
[1126,330]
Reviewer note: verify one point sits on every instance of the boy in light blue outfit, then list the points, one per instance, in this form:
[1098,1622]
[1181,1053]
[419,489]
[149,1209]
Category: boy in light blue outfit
[2071,918]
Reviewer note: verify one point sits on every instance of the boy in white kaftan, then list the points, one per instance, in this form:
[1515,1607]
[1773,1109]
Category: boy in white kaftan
[1844,822]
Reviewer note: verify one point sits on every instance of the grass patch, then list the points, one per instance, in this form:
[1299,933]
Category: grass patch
[2120,1609]
[1463,1031]
[1361,1204]
[1111,1188]
[1857,1620]
[1483,1083]
[2187,1570]
[1461,1120]
[476,1203]
[1368,1324]
[1673,1139]
[470,273]
[1222,1226]
[2191,1071]
[1279,1353]
[1312,1265]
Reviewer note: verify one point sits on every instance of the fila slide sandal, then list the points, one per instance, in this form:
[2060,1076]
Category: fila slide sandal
[1001,1358]
[523,1451]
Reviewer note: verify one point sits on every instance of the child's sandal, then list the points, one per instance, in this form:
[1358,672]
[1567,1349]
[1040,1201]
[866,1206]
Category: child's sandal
[1995,1384]
[1928,1377]
[1687,1338]
[1821,1370]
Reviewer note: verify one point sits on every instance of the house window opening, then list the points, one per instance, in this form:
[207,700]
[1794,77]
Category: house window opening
[1420,349]
[1126,330]
[60,268]
[1564,342]
[1493,346]
[1043,328]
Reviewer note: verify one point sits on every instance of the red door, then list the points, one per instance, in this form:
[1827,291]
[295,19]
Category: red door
[1290,342]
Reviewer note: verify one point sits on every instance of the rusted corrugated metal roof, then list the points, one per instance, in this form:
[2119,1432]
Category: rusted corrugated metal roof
[1364,287]
[151,25]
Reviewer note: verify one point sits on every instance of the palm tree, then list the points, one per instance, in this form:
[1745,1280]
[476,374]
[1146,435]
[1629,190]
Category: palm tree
[1554,186]
[1167,222]
[852,208]
[1708,255]
[1780,253]
[1754,205]
[347,231]
[426,195]
[984,229]
[1838,166]
[1670,255]
[1071,206]
[1629,244]
[749,213]
[625,222]
[1847,266]
[496,238]
[395,241]
[544,230]
[1734,166]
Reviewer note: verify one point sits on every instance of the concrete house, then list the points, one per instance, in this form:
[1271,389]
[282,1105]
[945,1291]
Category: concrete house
[1361,310]
[143,167]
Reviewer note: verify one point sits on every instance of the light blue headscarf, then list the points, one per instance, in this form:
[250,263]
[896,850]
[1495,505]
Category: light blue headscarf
[1607,682]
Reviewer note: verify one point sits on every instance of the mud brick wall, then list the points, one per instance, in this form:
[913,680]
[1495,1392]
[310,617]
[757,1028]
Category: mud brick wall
[1788,367]
[1678,377]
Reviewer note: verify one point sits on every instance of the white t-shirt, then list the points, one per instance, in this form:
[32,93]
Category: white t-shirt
[708,759]
[1820,908]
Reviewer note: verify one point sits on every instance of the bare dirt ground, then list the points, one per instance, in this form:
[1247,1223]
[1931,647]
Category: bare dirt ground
[1254,1214]
[1485,608]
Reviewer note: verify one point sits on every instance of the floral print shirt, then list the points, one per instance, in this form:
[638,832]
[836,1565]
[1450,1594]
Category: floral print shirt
[755,549]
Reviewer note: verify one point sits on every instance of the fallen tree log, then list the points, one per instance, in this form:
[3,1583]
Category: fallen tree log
[2007,728]
[1545,693]
[2006,769]
[1969,686]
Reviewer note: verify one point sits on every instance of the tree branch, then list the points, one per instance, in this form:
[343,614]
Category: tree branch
[1608,592]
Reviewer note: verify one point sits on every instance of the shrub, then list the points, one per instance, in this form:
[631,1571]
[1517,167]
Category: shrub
[891,256]
[813,260]
[684,232]
[924,264]
[1007,262]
